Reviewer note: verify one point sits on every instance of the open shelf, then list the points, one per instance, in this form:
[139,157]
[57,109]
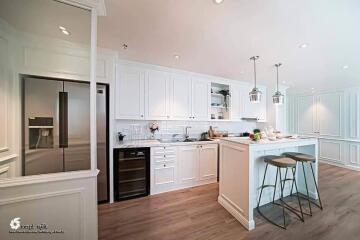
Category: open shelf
[220,101]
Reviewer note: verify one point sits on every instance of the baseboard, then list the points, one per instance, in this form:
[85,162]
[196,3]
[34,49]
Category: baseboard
[340,165]
[248,224]
[183,186]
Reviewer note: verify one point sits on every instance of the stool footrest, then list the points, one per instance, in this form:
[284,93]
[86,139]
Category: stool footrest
[287,179]
[266,186]
[301,195]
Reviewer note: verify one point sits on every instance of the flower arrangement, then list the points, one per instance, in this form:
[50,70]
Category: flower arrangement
[154,126]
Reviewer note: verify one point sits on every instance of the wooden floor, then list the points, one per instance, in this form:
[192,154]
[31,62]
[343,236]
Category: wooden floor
[195,214]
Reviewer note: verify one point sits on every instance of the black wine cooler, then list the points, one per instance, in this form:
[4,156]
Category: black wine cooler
[131,173]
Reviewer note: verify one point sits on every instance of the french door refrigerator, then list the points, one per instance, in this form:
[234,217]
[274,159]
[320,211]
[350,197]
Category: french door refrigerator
[56,128]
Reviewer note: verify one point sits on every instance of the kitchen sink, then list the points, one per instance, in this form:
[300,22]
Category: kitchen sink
[185,140]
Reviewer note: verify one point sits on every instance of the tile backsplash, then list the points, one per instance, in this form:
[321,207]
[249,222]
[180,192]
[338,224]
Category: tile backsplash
[135,129]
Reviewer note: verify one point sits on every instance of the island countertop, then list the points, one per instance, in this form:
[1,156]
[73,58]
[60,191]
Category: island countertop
[248,141]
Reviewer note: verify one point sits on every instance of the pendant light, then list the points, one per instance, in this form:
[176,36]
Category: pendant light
[278,97]
[255,94]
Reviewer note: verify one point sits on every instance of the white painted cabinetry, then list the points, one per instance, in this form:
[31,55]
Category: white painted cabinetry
[157,95]
[129,94]
[200,99]
[237,101]
[163,168]
[177,167]
[198,162]
[208,162]
[180,97]
[189,164]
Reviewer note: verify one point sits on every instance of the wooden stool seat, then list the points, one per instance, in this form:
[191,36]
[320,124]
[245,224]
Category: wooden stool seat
[301,157]
[280,161]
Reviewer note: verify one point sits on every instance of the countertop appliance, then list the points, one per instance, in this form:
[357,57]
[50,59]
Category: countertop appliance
[131,173]
[56,128]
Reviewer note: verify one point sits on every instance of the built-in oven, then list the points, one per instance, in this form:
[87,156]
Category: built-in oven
[131,173]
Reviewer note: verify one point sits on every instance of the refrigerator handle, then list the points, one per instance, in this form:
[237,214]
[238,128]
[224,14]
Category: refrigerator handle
[63,120]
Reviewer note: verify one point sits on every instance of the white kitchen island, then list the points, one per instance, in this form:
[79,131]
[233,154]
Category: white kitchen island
[242,169]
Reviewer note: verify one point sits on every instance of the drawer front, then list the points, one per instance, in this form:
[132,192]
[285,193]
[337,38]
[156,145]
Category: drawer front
[164,151]
[163,158]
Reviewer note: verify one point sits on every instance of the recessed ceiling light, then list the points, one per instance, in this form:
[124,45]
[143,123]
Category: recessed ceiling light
[218,1]
[65,32]
[304,45]
[283,82]
[177,57]
[345,67]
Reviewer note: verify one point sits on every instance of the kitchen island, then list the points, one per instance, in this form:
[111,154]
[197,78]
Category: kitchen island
[242,169]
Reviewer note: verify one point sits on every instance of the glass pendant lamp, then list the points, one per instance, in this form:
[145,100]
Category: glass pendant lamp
[278,97]
[255,94]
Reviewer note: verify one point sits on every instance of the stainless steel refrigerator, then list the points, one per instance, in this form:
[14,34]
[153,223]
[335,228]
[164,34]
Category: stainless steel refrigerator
[56,128]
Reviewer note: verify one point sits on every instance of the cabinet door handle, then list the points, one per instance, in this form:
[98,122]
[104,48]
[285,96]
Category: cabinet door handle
[164,165]
[142,115]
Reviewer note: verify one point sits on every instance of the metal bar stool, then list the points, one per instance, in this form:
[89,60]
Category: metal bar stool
[305,158]
[280,162]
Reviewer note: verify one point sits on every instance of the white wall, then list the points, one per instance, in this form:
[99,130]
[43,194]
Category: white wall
[334,118]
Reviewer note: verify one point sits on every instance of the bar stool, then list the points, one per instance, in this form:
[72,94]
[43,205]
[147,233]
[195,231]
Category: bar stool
[305,158]
[280,162]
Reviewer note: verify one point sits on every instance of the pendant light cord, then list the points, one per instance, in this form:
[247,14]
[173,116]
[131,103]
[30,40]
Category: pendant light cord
[277,78]
[277,75]
[255,72]
[254,58]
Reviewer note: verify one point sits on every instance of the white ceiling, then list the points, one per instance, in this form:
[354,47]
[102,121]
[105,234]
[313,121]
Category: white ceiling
[43,18]
[219,39]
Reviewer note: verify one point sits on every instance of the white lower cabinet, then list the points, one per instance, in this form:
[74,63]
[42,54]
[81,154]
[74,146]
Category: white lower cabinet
[189,163]
[208,162]
[163,169]
[178,167]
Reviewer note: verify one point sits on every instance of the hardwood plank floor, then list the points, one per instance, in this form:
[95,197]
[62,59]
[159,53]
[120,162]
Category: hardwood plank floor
[195,214]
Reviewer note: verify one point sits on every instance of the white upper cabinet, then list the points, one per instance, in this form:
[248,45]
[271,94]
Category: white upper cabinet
[238,94]
[129,95]
[306,115]
[329,114]
[153,94]
[180,100]
[157,95]
[200,99]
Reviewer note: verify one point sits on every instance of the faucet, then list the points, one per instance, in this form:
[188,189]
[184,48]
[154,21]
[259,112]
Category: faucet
[187,132]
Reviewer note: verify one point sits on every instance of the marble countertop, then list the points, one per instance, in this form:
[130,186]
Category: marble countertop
[248,141]
[157,143]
